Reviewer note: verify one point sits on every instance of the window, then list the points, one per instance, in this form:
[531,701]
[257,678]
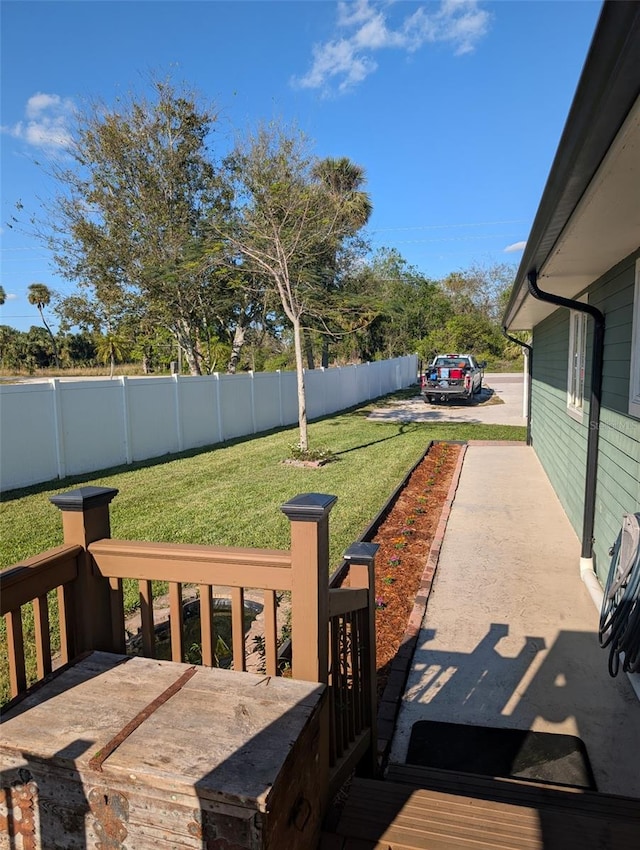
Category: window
[634,381]
[577,358]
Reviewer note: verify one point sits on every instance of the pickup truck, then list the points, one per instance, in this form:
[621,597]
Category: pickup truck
[452,376]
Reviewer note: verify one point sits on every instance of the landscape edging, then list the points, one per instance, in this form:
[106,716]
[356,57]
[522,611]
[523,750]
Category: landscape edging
[394,689]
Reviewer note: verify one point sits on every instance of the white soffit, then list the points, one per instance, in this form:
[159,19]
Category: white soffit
[605,226]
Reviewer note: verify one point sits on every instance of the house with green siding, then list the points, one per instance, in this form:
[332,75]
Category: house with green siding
[578,291]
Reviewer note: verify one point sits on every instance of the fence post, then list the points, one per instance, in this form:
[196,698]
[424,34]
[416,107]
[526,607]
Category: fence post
[309,517]
[361,560]
[85,518]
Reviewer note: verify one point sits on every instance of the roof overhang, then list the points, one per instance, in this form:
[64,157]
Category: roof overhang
[589,214]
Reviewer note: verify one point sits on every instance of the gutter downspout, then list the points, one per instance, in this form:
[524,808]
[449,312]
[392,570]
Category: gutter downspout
[587,571]
[529,377]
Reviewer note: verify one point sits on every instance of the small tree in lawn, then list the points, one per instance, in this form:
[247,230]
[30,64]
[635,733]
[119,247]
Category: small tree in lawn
[40,296]
[286,223]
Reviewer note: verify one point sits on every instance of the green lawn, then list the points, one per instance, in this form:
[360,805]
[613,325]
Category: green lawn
[231,494]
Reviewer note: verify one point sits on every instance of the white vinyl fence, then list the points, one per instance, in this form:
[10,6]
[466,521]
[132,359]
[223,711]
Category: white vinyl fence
[62,427]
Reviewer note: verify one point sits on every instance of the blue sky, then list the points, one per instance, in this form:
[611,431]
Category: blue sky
[454,108]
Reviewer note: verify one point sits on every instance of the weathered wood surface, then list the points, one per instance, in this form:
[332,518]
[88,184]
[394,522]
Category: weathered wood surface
[215,759]
[400,817]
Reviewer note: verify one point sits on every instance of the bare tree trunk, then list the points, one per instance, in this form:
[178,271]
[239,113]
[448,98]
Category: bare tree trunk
[53,339]
[192,360]
[236,349]
[302,402]
[190,348]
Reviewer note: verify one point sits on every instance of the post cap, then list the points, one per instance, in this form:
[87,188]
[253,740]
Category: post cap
[361,553]
[308,507]
[84,498]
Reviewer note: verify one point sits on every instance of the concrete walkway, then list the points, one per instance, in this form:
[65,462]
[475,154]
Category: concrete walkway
[509,637]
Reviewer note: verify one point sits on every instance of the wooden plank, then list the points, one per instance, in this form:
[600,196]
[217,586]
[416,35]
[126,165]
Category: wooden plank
[42,635]
[190,563]
[345,599]
[65,624]
[356,673]
[147,628]
[419,819]
[207,637]
[237,629]
[176,621]
[116,599]
[270,633]
[15,651]
[335,694]
[534,794]
[37,576]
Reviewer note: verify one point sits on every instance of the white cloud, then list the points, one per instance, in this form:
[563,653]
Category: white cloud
[11,296]
[365,28]
[46,123]
[517,246]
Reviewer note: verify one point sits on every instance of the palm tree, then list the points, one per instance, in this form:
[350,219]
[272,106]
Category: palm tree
[110,348]
[3,296]
[343,180]
[40,296]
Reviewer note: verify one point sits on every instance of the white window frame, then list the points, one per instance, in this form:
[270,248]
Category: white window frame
[634,377]
[576,365]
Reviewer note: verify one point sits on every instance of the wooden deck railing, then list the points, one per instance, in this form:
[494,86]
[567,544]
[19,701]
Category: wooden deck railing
[30,583]
[332,630]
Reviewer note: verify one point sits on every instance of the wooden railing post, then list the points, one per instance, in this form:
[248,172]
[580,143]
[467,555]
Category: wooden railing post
[361,560]
[85,518]
[309,517]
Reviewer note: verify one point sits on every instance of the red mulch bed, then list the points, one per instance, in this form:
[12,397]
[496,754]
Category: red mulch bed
[405,539]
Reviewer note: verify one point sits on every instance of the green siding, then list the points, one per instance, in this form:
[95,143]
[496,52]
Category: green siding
[561,442]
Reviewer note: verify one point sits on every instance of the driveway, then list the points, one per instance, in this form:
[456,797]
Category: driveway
[499,403]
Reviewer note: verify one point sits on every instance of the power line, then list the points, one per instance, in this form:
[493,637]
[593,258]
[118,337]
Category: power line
[446,226]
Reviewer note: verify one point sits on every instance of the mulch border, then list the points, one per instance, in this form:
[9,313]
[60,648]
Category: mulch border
[392,696]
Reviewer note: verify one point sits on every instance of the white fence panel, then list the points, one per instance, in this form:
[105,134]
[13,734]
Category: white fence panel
[289,397]
[93,425]
[235,406]
[54,428]
[362,382]
[335,390]
[266,400]
[198,400]
[315,382]
[28,435]
[152,417]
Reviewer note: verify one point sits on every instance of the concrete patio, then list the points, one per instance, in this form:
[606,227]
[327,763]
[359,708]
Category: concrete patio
[509,637]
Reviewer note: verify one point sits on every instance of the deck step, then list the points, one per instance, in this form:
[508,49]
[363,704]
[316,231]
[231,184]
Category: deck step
[391,815]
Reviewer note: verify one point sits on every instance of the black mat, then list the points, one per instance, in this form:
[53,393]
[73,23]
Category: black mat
[509,753]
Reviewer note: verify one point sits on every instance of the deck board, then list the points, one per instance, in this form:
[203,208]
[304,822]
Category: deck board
[398,816]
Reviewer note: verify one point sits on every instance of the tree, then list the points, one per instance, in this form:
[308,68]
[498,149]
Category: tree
[3,296]
[480,288]
[134,216]
[344,182]
[111,348]
[40,296]
[405,306]
[284,220]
